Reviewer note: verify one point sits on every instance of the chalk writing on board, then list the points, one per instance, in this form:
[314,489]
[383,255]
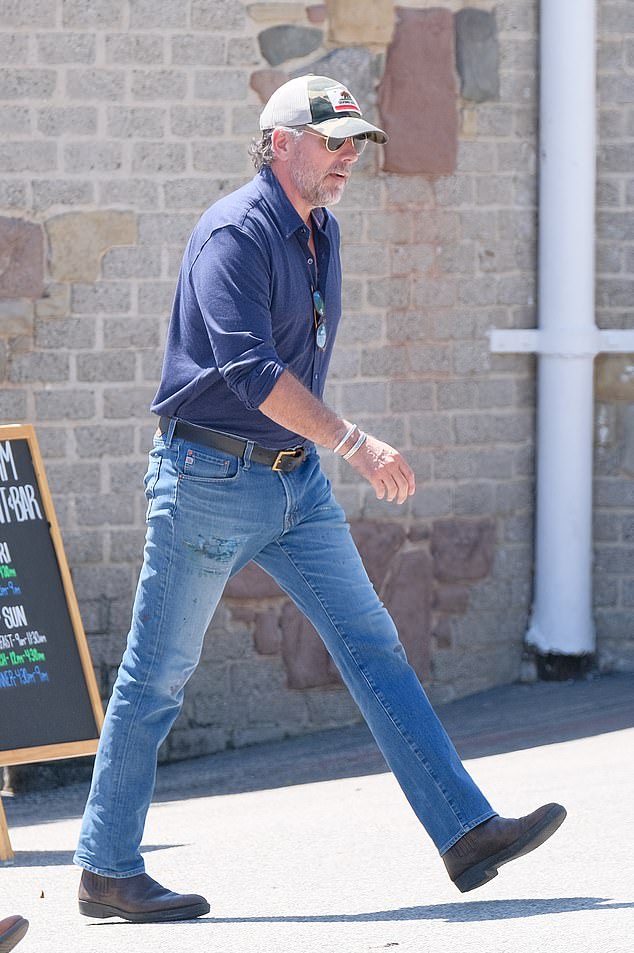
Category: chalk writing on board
[17,502]
[19,665]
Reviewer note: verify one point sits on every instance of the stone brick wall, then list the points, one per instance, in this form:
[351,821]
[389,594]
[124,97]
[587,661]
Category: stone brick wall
[121,121]
[614,374]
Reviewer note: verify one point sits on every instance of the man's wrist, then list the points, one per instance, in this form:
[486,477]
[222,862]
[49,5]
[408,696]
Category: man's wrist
[346,439]
[361,439]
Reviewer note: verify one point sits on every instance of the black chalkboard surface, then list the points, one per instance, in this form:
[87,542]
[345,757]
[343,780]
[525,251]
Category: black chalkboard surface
[49,701]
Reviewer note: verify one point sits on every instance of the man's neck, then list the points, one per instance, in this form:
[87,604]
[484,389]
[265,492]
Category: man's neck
[302,208]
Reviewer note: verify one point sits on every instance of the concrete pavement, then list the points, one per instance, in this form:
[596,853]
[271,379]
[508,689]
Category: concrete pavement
[308,844]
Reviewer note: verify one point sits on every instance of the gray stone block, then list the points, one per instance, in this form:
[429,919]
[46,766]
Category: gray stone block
[15,120]
[27,156]
[132,262]
[177,226]
[102,297]
[64,48]
[171,14]
[64,404]
[71,334]
[93,157]
[28,13]
[405,396]
[287,42]
[159,157]
[96,14]
[160,85]
[390,361]
[134,48]
[103,441]
[242,51]
[220,84]
[121,333]
[431,430]
[197,122]
[364,396]
[13,405]
[199,48]
[223,15]
[122,403]
[219,158]
[28,83]
[68,192]
[129,192]
[39,366]
[77,120]
[70,478]
[101,84]
[106,366]
[14,48]
[136,122]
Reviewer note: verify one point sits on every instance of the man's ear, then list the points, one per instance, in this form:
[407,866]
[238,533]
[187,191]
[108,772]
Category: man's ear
[281,142]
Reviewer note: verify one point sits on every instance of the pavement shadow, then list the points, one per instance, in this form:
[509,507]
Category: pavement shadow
[64,858]
[461,912]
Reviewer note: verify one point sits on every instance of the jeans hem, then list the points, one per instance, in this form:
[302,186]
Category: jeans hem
[113,874]
[468,827]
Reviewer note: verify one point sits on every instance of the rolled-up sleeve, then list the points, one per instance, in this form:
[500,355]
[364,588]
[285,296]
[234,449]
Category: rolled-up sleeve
[231,278]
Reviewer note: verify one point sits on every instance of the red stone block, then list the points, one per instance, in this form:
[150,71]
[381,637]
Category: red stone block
[418,96]
[252,583]
[306,660]
[266,81]
[21,259]
[408,598]
[378,544]
[316,13]
[462,549]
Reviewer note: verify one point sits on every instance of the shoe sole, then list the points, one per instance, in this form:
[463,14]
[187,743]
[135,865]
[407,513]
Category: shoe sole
[102,911]
[13,936]
[487,869]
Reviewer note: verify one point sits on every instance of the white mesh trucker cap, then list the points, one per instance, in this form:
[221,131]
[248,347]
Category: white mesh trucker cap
[319,102]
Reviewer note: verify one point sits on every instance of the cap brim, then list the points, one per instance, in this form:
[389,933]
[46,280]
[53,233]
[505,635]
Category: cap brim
[345,126]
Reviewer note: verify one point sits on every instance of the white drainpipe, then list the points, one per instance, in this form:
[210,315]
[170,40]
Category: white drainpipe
[568,339]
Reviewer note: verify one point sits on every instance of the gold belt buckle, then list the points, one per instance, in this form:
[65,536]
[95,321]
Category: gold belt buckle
[277,464]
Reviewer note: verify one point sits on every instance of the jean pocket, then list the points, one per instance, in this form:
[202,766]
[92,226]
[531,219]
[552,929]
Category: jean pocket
[198,464]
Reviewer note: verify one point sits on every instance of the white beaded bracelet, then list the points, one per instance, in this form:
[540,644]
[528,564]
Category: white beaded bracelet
[362,439]
[343,439]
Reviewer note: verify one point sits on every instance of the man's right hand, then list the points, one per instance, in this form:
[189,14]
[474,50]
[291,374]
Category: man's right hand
[386,469]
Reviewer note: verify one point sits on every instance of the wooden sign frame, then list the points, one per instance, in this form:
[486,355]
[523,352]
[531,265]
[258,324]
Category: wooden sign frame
[71,749]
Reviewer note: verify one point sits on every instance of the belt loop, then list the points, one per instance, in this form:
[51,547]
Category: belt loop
[169,433]
[246,457]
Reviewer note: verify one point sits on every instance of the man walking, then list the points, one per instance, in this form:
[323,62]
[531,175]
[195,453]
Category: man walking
[234,476]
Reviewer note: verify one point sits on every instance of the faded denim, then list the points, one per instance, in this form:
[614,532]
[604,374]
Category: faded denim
[208,514]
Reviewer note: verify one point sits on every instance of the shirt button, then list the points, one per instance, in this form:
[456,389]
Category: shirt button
[310,261]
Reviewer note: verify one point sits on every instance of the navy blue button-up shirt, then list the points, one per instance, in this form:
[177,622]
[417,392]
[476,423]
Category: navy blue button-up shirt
[243,312]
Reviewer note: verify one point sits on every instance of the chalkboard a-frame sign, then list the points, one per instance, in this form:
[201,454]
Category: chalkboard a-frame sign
[49,701]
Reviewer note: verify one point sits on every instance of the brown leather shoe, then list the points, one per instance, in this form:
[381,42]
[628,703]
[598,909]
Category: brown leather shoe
[11,932]
[475,858]
[138,899]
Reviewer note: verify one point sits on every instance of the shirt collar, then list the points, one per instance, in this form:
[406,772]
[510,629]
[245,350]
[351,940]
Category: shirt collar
[289,217]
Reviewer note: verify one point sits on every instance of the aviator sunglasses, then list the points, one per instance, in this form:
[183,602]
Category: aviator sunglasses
[334,143]
[319,311]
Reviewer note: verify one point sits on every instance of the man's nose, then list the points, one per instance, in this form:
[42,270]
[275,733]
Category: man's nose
[348,151]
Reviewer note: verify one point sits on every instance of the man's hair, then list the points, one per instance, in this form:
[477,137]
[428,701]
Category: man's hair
[261,150]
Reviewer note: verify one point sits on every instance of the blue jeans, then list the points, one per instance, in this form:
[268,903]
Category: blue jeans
[208,514]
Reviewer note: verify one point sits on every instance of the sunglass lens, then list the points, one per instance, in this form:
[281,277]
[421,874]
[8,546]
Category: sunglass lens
[334,143]
[318,301]
[321,337]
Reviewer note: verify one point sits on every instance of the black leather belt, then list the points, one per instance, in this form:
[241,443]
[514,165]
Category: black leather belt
[284,461]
